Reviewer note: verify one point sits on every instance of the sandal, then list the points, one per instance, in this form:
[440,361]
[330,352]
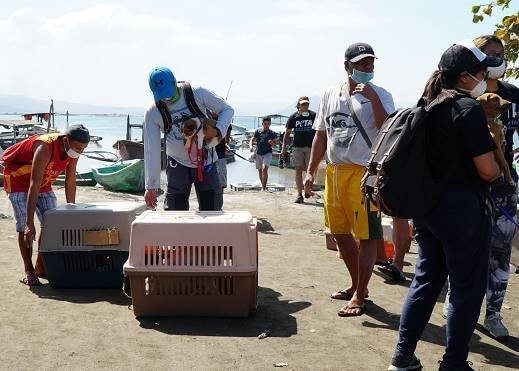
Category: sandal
[344,295]
[30,279]
[343,311]
[392,273]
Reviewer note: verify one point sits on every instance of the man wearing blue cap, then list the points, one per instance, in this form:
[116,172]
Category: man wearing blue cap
[186,164]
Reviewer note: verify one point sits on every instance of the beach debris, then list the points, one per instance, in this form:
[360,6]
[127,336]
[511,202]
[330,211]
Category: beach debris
[264,334]
[507,307]
[5,216]
[309,287]
[312,330]
[281,364]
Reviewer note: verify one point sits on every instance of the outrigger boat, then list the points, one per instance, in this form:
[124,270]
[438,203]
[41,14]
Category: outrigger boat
[20,129]
[124,176]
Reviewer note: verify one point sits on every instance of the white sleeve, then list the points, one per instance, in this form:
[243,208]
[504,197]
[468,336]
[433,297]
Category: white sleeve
[215,104]
[319,122]
[151,132]
[387,101]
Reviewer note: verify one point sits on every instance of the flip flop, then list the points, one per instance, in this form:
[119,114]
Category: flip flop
[342,312]
[30,279]
[343,295]
[393,273]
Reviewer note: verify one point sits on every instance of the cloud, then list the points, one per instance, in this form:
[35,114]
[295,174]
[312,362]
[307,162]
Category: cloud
[323,14]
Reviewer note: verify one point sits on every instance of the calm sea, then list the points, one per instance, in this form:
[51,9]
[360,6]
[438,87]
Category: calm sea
[113,128]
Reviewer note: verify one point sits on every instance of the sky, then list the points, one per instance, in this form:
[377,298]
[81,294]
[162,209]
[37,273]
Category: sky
[99,52]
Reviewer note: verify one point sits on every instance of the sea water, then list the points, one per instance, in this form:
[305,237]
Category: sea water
[113,128]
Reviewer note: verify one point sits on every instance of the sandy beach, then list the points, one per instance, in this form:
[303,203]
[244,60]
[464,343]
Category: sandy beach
[44,328]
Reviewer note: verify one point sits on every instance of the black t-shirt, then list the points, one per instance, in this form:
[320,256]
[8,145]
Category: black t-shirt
[510,120]
[220,147]
[454,143]
[303,128]
[262,139]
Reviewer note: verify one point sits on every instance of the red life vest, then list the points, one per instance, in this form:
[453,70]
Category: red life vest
[18,163]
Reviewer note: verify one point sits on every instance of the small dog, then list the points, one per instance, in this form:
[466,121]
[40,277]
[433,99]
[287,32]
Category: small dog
[494,105]
[194,126]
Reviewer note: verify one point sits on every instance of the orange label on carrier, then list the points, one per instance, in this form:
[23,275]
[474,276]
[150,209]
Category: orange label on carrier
[102,237]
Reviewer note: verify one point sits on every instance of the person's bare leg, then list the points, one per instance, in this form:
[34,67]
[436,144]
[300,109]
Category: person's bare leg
[402,241]
[265,177]
[39,268]
[299,180]
[26,253]
[367,256]
[260,176]
[350,255]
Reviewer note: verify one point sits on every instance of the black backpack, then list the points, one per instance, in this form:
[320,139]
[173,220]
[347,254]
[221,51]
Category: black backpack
[186,89]
[398,179]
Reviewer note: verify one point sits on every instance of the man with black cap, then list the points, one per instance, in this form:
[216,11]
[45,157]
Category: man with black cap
[301,122]
[348,120]
[175,103]
[30,168]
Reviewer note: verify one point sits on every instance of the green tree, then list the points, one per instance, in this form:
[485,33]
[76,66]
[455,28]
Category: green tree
[507,30]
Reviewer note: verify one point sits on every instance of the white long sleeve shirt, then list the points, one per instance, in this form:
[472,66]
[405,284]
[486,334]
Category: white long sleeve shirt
[153,127]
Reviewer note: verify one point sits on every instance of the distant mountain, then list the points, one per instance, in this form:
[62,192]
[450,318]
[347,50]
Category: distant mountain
[21,104]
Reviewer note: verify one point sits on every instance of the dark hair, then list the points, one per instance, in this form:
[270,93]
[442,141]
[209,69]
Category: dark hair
[266,118]
[440,80]
[482,42]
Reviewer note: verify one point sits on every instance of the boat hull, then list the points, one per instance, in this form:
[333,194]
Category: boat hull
[126,176]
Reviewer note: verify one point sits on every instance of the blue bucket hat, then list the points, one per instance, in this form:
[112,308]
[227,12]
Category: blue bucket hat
[162,83]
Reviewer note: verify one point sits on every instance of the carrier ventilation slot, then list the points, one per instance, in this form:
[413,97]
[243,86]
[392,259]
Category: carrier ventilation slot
[188,256]
[71,237]
[88,263]
[189,286]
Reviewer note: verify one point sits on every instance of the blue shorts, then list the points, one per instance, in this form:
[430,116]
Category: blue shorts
[46,201]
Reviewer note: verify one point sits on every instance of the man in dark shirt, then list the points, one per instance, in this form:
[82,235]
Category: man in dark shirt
[265,139]
[301,122]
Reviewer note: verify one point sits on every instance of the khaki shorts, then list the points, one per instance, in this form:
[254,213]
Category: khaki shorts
[263,161]
[344,210]
[301,156]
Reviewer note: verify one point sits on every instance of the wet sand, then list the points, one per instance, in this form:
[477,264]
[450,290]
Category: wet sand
[45,328]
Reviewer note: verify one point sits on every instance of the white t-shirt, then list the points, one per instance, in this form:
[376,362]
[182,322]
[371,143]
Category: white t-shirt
[345,144]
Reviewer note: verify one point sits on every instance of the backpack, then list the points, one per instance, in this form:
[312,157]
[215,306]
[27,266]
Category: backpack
[185,87]
[398,179]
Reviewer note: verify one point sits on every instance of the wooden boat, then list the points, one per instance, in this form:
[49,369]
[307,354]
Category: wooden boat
[82,179]
[124,176]
[129,149]
[18,130]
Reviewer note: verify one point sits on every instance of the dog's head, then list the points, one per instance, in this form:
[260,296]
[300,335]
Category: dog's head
[493,104]
[189,127]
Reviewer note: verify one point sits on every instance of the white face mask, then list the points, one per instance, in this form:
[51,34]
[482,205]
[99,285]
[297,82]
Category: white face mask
[71,153]
[479,89]
[305,114]
[495,73]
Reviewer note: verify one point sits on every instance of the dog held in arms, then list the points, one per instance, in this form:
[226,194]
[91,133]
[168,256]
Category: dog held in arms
[195,126]
[494,105]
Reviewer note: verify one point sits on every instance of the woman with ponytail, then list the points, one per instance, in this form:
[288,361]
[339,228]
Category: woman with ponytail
[454,237]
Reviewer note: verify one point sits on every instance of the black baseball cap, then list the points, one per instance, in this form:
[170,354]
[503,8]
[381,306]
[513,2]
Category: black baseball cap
[79,133]
[356,52]
[465,56]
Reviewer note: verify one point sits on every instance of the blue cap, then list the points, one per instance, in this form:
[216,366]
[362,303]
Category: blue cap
[162,83]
